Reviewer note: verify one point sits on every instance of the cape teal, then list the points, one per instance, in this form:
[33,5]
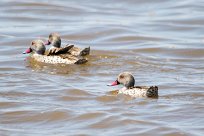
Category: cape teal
[58,56]
[55,41]
[128,81]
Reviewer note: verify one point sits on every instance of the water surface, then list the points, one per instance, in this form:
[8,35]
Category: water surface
[160,42]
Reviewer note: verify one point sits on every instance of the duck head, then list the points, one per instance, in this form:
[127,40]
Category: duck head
[126,79]
[54,40]
[37,46]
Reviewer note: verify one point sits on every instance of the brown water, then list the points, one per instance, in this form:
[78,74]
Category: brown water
[160,42]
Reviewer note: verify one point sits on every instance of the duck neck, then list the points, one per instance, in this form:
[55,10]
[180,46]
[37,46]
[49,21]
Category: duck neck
[40,53]
[128,86]
[37,54]
[57,44]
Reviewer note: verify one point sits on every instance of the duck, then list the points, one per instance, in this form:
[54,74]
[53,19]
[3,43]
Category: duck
[38,53]
[127,80]
[55,40]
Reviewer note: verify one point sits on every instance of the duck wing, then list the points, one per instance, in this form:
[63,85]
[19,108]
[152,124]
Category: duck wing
[76,51]
[57,51]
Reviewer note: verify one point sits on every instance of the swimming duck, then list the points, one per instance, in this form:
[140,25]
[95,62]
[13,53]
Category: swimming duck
[128,81]
[55,41]
[60,56]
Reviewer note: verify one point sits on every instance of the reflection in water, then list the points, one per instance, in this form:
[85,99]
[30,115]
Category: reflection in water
[160,42]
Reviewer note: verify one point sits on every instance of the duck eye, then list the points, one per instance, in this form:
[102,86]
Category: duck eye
[32,43]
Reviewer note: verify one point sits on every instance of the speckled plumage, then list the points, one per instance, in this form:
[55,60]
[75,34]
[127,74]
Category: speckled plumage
[58,59]
[55,41]
[140,91]
[57,56]
[79,52]
[128,81]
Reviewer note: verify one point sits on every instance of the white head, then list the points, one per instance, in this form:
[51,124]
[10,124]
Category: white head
[126,79]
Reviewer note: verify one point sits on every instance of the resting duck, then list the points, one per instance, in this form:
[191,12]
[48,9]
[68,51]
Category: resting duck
[55,41]
[128,81]
[59,57]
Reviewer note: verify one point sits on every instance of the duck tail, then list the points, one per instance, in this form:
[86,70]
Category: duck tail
[85,51]
[81,61]
[152,92]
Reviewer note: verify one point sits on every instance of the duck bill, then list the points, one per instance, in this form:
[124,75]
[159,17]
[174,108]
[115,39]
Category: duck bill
[47,43]
[29,50]
[114,83]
